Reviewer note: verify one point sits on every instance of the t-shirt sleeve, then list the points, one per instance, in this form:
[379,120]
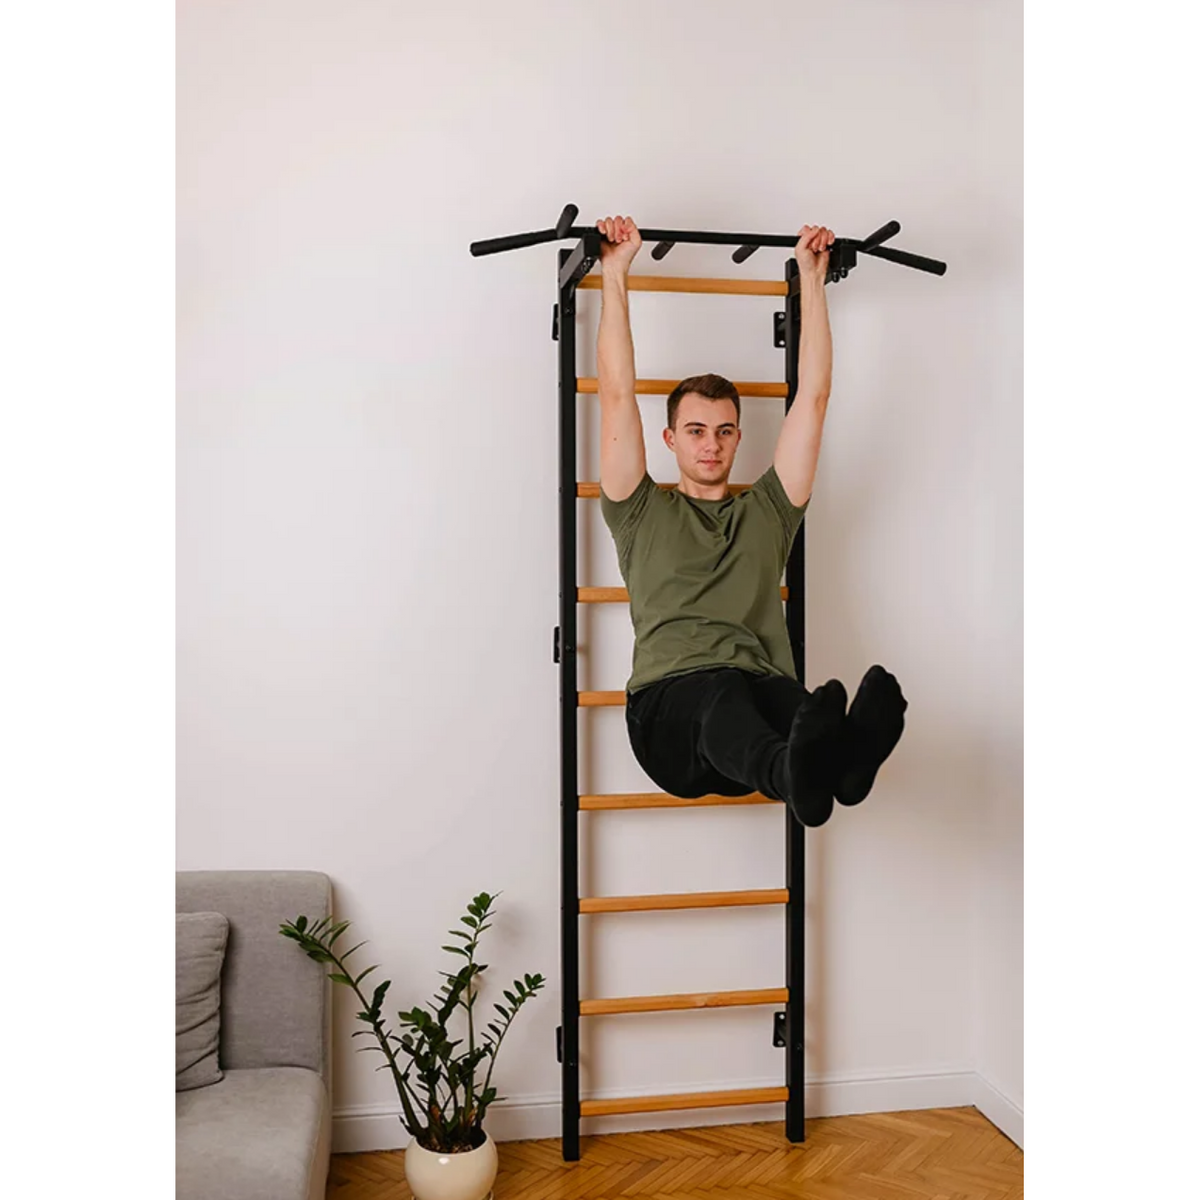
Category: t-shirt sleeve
[623,516]
[789,515]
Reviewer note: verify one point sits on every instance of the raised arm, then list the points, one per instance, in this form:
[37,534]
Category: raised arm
[799,443]
[622,441]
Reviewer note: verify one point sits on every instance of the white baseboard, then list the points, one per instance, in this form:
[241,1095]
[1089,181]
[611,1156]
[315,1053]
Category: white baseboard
[362,1127]
[1007,1116]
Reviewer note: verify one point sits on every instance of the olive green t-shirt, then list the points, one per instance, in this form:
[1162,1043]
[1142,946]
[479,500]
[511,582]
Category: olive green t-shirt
[703,577]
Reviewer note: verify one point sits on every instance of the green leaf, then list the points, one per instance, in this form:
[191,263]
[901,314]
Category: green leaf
[470,921]
[456,950]
[342,979]
[301,923]
[367,972]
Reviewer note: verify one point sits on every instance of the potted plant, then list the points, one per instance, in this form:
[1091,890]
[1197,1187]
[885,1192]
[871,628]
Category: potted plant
[442,1102]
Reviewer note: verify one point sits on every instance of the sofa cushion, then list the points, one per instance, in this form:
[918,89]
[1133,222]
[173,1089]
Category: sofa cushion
[200,940]
[276,1003]
[262,1133]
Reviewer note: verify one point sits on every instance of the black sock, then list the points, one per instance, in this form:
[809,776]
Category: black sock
[872,729]
[814,732]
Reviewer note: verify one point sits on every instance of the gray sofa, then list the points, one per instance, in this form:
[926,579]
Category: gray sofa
[262,1132]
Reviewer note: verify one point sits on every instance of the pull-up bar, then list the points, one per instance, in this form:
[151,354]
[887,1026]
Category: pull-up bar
[843,253]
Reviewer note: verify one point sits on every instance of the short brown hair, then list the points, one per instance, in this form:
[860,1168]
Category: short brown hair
[711,387]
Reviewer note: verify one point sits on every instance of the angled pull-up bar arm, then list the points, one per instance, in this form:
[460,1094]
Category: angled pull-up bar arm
[843,253]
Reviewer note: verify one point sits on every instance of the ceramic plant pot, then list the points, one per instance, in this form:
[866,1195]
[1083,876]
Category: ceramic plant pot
[465,1176]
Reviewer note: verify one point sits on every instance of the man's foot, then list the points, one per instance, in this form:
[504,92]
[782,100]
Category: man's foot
[811,741]
[873,727]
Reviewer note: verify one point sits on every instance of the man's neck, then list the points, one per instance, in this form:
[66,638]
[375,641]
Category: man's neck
[699,491]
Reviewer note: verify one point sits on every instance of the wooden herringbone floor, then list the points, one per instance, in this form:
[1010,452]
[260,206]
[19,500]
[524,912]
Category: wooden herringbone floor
[938,1154]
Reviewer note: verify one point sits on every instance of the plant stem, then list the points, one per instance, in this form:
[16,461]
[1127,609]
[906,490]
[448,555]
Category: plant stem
[381,1038]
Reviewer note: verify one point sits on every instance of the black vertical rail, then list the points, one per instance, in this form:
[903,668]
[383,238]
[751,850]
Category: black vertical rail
[568,707]
[794,919]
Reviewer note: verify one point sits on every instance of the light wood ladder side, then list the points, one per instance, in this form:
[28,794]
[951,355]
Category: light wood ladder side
[591,489]
[681,1001]
[620,595]
[645,1104]
[587,386]
[677,283]
[628,800]
[675,900]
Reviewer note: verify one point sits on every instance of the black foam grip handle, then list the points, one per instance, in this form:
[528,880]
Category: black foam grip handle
[905,259]
[514,241]
[880,235]
[562,229]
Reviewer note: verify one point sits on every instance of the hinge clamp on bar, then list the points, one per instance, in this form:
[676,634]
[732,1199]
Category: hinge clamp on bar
[557,643]
[558,1041]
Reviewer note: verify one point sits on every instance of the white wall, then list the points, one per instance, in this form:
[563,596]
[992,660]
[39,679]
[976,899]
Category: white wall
[367,509]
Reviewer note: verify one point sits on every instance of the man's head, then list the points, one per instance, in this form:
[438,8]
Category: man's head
[702,428]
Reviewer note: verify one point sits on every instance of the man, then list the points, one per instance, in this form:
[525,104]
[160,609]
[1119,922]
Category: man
[713,704]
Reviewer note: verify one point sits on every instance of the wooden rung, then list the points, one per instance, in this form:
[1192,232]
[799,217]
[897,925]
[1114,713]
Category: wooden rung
[680,1100]
[620,595]
[674,283]
[609,904]
[664,387]
[601,699]
[689,1000]
[664,800]
[591,491]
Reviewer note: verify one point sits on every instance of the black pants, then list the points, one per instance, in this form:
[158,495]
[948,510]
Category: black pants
[722,730]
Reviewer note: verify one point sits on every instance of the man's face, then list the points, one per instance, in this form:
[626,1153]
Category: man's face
[705,438]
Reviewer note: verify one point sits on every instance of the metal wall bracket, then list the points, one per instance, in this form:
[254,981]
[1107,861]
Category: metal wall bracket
[554,329]
[558,1041]
[781,331]
[780,1037]
[558,643]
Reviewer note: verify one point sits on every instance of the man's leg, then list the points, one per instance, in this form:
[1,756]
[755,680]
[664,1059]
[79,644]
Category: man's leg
[746,742]
[704,732]
[733,737]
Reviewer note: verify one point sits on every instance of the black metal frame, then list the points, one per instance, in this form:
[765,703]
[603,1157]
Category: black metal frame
[793,1024]
[573,265]
[843,253]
